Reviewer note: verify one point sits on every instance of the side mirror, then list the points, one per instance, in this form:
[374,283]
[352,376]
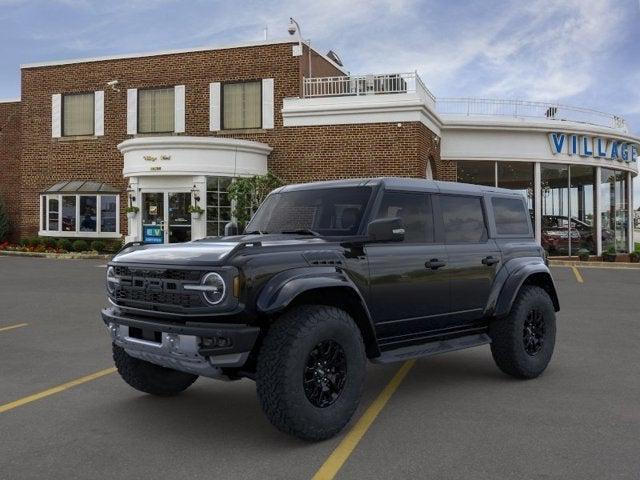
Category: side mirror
[230,229]
[385,230]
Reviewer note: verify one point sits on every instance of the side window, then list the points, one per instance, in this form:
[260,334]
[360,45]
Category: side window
[414,209]
[511,216]
[463,219]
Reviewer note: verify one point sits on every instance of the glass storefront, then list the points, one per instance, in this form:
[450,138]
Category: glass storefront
[568,202]
[218,205]
[614,209]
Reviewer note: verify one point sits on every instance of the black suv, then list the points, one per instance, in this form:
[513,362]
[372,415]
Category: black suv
[326,276]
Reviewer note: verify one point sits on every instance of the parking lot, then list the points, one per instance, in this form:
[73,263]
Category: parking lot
[452,416]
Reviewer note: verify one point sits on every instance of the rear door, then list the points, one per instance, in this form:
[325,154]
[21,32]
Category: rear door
[473,257]
[409,282]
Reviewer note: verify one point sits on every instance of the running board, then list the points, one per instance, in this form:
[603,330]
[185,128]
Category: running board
[432,348]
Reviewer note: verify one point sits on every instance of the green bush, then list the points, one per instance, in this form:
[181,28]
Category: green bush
[34,241]
[80,246]
[24,242]
[65,244]
[114,246]
[48,242]
[98,246]
[4,222]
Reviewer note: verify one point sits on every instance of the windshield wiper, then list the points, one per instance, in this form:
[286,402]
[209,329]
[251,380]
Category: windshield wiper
[302,231]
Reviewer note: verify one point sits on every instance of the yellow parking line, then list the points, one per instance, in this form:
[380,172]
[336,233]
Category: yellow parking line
[334,463]
[51,391]
[576,272]
[11,327]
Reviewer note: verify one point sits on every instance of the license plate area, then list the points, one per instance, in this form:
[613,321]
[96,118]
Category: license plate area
[145,334]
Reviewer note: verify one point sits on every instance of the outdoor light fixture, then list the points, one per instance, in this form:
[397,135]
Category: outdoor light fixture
[196,193]
[132,197]
[293,28]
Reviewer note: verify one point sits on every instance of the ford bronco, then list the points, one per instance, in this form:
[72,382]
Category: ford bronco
[325,276]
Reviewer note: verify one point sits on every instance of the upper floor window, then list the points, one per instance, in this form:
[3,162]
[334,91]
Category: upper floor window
[156,110]
[78,114]
[242,105]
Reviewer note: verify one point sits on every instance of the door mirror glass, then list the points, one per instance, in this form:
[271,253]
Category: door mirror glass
[385,230]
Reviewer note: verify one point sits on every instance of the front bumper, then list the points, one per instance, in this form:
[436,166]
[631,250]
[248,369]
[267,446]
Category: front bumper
[194,347]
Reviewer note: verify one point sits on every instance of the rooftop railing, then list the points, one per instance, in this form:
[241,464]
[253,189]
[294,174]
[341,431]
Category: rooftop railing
[389,83]
[356,85]
[527,109]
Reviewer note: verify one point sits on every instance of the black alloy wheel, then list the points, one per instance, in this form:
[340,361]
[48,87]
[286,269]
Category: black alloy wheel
[325,373]
[533,332]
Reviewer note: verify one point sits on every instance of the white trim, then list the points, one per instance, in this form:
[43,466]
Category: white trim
[63,234]
[267,103]
[44,197]
[132,111]
[98,111]
[179,108]
[56,115]
[10,100]
[172,52]
[214,107]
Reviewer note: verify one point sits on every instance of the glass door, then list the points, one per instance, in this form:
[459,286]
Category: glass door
[153,217]
[179,217]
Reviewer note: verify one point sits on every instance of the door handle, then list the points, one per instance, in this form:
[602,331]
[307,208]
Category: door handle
[434,264]
[489,261]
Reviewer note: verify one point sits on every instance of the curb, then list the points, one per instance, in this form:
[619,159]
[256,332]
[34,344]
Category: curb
[605,265]
[57,256]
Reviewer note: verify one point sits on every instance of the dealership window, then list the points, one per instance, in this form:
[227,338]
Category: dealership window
[156,110]
[78,215]
[614,209]
[218,205]
[242,105]
[518,176]
[555,209]
[511,216]
[582,205]
[78,114]
[477,172]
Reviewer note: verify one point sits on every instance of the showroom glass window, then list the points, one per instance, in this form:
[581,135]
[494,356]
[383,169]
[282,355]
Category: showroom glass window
[156,110]
[518,176]
[614,190]
[242,105]
[555,208]
[78,114]
[477,172]
[80,215]
[582,205]
[218,205]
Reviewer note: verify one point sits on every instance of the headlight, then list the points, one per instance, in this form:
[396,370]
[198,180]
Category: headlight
[212,287]
[112,281]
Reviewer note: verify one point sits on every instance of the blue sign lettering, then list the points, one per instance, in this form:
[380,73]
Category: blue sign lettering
[557,140]
[586,147]
[152,234]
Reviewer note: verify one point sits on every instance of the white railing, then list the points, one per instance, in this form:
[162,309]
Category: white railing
[376,84]
[527,109]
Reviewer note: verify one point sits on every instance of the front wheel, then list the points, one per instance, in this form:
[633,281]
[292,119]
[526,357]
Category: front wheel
[310,371]
[522,343]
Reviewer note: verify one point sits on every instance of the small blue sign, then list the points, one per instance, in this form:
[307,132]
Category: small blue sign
[152,234]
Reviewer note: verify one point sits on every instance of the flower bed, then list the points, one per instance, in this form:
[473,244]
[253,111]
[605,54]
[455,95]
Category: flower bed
[46,246]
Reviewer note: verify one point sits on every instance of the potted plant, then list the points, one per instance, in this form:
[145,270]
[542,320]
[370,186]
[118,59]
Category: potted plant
[195,211]
[634,257]
[583,254]
[132,211]
[610,255]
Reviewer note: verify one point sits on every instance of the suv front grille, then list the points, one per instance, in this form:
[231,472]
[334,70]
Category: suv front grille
[157,289]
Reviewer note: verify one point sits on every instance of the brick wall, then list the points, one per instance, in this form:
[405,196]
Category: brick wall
[299,154]
[10,161]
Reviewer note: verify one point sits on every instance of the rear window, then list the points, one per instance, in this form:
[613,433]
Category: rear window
[511,216]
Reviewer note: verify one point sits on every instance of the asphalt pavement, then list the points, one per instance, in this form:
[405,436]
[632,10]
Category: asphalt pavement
[453,415]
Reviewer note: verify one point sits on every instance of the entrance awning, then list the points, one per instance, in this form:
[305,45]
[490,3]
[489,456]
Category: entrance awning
[81,186]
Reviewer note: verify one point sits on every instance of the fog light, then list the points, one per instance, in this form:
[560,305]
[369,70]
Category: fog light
[173,340]
[212,342]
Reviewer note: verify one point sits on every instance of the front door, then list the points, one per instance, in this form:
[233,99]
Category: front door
[409,280]
[165,218]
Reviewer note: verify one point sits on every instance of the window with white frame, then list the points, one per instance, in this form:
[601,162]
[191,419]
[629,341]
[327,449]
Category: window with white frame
[156,110]
[242,105]
[218,205]
[80,215]
[78,114]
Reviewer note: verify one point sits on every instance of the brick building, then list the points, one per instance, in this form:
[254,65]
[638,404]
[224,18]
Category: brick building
[162,131]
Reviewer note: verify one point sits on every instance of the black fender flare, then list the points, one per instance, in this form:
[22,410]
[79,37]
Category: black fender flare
[283,288]
[516,272]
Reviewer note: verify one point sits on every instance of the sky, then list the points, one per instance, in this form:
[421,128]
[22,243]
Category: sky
[577,52]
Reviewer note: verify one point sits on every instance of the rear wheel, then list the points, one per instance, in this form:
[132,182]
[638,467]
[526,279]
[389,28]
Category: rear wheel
[523,341]
[310,371]
[150,378]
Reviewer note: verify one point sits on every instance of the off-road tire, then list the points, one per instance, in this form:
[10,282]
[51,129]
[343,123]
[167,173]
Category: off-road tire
[507,343]
[281,365]
[150,378]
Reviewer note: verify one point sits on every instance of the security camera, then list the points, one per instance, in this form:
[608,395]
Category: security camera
[112,83]
[291,29]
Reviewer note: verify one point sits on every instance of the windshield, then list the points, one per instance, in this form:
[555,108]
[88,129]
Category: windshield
[327,211]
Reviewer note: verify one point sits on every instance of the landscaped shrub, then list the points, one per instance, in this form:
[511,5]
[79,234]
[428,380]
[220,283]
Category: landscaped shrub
[113,246]
[65,244]
[4,222]
[24,242]
[48,242]
[80,246]
[33,242]
[98,246]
